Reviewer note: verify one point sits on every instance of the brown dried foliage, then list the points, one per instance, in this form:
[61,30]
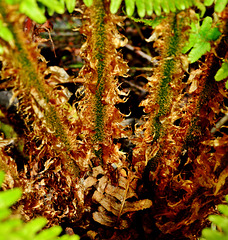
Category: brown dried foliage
[86,183]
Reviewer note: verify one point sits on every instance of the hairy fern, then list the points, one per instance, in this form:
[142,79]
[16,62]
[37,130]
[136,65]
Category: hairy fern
[75,168]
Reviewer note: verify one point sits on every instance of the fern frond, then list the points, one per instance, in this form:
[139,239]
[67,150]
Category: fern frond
[199,39]
[149,6]
[219,4]
[38,94]
[220,221]
[222,73]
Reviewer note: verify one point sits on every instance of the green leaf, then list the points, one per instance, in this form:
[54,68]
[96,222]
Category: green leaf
[141,8]
[67,237]
[49,234]
[7,227]
[208,2]
[208,33]
[206,24]
[213,34]
[4,213]
[149,7]
[180,4]
[5,33]
[1,49]
[9,197]
[70,5]
[220,221]
[210,234]
[198,50]
[222,72]
[152,23]
[130,7]
[157,7]
[199,39]
[226,197]
[31,9]
[114,6]
[53,4]
[2,176]
[223,209]
[50,11]
[88,3]
[188,3]
[172,6]
[165,6]
[220,5]
[12,1]
[201,7]
[30,229]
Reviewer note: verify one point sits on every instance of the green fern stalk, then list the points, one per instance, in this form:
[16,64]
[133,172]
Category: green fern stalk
[165,94]
[100,36]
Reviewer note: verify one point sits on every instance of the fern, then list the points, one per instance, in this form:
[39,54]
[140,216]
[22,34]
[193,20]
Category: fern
[220,232]
[199,39]
[35,9]
[90,140]
[150,6]
[222,73]
[148,22]
[15,229]
[219,4]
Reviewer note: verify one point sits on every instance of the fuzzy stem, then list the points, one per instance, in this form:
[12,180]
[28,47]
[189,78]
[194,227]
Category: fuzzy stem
[164,99]
[29,78]
[100,35]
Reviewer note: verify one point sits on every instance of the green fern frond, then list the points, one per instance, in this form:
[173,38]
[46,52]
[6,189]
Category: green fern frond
[222,73]
[35,9]
[149,22]
[221,221]
[219,4]
[199,39]
[149,6]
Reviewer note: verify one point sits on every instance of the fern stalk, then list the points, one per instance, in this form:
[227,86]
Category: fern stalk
[100,116]
[177,147]
[100,45]
[31,85]
[164,87]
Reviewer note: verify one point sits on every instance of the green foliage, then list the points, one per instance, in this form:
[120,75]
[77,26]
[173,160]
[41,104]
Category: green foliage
[221,222]
[35,9]
[199,39]
[5,33]
[149,22]
[32,10]
[219,4]
[149,6]
[88,3]
[15,229]
[70,5]
[222,73]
